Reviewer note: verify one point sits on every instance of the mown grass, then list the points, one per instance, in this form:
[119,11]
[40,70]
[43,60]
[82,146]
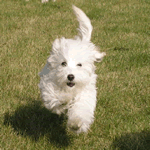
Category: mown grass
[122,117]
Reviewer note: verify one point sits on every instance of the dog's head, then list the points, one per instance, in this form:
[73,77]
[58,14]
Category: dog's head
[72,60]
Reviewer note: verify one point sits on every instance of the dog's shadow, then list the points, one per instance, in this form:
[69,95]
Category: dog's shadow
[35,121]
[132,141]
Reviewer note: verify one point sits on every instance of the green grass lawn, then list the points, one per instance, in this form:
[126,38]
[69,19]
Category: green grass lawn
[122,116]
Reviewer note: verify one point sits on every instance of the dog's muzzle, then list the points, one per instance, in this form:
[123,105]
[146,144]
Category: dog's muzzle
[70,78]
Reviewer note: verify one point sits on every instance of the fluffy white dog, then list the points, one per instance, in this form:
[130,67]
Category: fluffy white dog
[68,80]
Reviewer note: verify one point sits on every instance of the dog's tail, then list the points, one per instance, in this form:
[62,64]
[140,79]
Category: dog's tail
[85,27]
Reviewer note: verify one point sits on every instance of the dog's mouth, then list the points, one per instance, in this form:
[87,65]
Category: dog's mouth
[70,84]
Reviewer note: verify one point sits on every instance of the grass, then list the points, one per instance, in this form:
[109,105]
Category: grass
[122,116]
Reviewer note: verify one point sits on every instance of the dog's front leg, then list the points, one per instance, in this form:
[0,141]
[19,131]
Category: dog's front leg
[81,113]
[53,104]
[51,98]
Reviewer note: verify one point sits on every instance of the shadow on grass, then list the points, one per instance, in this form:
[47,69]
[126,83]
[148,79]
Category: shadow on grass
[133,141]
[36,121]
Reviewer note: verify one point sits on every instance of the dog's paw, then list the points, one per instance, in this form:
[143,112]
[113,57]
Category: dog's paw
[74,124]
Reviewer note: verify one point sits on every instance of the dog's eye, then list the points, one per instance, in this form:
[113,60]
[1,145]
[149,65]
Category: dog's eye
[64,64]
[79,64]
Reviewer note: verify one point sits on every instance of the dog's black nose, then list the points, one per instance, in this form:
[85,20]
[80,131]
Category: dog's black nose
[70,77]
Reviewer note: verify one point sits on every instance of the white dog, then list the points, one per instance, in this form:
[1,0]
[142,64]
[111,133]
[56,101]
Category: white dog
[68,80]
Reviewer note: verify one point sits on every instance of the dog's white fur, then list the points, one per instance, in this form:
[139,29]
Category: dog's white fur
[68,80]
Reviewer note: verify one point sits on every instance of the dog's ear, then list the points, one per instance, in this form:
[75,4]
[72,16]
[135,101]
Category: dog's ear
[58,44]
[55,49]
[98,55]
[51,61]
[85,27]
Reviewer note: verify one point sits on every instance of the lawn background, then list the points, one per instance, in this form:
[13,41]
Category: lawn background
[122,116]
